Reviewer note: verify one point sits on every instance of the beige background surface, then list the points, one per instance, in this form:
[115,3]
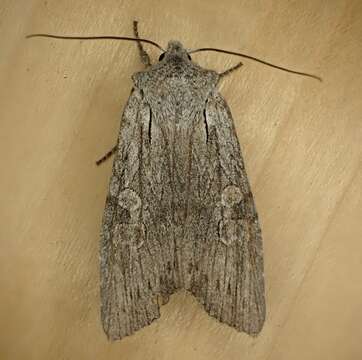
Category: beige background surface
[60,106]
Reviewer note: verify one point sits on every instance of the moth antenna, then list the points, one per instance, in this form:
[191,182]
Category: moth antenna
[106,37]
[257,60]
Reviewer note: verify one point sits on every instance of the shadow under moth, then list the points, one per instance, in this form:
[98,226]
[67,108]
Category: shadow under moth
[179,213]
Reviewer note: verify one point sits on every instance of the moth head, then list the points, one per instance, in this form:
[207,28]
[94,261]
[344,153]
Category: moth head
[175,50]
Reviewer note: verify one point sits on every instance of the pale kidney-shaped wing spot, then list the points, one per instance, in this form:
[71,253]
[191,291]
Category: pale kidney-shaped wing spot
[129,200]
[132,230]
[231,195]
[129,234]
[230,231]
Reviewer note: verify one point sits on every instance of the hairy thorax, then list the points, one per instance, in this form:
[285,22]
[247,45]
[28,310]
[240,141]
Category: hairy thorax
[177,84]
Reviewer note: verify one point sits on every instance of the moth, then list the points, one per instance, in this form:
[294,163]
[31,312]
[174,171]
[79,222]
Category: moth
[179,213]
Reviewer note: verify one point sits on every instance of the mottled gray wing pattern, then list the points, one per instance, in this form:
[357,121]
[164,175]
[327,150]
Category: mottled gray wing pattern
[143,223]
[228,274]
[127,284]
[179,212]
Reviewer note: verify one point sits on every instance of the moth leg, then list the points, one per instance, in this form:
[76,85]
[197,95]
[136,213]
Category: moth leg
[145,58]
[107,155]
[228,71]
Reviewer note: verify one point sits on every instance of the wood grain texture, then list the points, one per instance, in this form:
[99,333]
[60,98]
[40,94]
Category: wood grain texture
[60,108]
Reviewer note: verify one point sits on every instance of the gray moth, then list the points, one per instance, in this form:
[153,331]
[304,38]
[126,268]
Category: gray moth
[179,213]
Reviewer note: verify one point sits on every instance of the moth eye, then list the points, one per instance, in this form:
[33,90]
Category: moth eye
[161,57]
[189,56]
